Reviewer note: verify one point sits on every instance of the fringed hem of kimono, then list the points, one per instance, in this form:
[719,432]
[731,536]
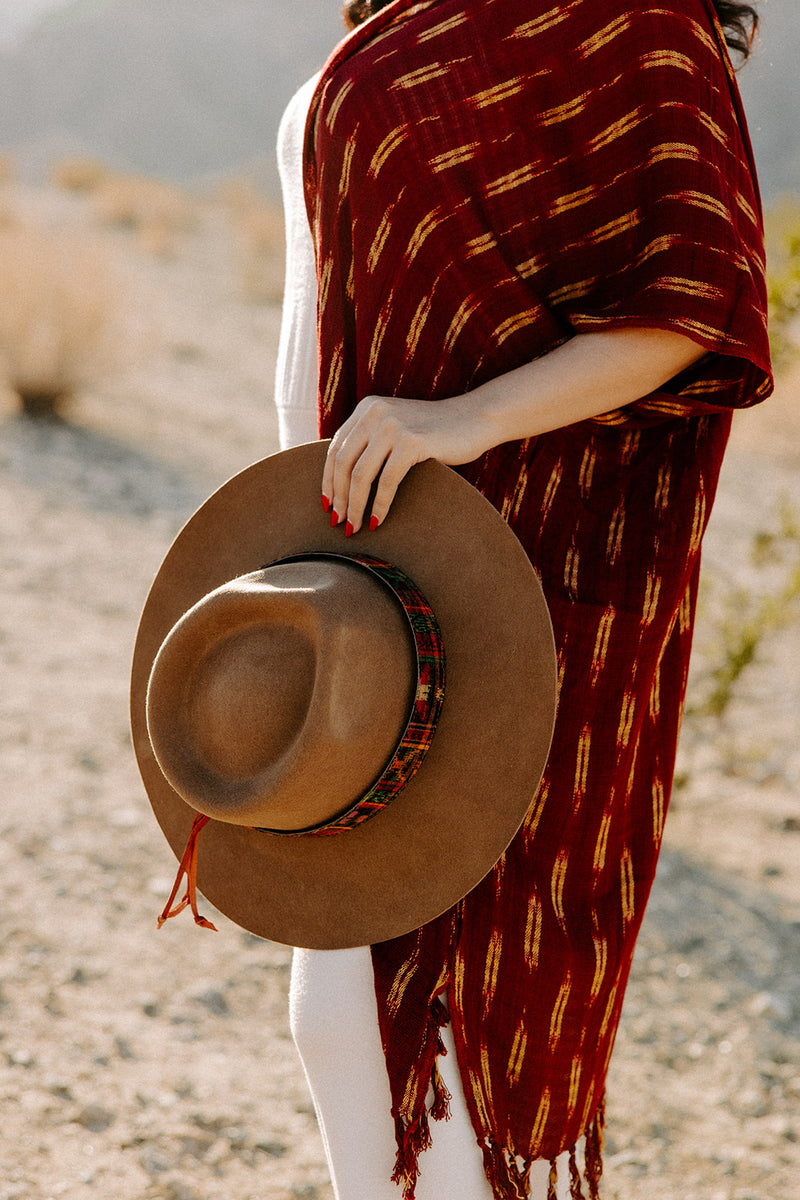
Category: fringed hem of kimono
[486,179]
[507,1171]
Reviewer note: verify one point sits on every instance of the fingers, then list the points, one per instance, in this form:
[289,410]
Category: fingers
[346,479]
[395,468]
[330,462]
[353,483]
[373,444]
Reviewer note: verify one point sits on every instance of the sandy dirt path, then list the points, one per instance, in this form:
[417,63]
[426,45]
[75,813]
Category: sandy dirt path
[145,1066]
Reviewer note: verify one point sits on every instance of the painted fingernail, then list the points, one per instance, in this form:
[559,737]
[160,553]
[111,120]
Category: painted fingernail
[373,523]
[334,518]
[348,529]
[325,503]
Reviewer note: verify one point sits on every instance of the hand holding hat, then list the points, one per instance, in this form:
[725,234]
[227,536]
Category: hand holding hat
[360,725]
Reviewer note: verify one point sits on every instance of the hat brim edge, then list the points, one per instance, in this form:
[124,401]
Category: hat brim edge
[448,828]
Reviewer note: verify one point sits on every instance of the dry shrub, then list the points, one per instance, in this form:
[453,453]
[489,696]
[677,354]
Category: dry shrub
[155,211]
[259,231]
[79,173]
[8,214]
[58,316]
[7,171]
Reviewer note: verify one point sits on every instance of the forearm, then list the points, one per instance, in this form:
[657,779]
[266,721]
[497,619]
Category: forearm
[587,376]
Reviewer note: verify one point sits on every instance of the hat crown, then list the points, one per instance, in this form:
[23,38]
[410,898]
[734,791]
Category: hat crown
[249,697]
[278,698]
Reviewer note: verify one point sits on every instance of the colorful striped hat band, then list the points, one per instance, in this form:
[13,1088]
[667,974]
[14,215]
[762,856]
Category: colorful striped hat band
[410,750]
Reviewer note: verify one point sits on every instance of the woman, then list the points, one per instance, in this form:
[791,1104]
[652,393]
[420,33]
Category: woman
[545,219]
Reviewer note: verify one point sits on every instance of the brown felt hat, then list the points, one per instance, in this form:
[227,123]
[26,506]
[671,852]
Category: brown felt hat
[363,722]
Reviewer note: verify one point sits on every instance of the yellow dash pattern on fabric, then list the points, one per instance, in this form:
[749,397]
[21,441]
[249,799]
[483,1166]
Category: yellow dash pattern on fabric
[501,91]
[587,470]
[574,200]
[627,884]
[545,22]
[537,808]
[541,1117]
[513,179]
[619,129]
[422,75]
[626,719]
[379,241]
[685,612]
[533,931]
[332,383]
[601,843]
[443,27]
[615,532]
[518,1048]
[480,244]
[601,964]
[654,703]
[402,981]
[601,644]
[557,885]
[565,112]
[551,488]
[582,764]
[333,111]
[668,58]
[605,35]
[559,1009]
[652,593]
[452,158]
[659,808]
[492,967]
[393,141]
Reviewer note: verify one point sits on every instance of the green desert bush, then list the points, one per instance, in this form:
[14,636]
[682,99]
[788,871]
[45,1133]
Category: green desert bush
[739,620]
[783,277]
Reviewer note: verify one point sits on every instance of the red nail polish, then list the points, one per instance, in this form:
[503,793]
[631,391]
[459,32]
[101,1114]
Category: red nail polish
[325,503]
[348,529]
[373,523]
[334,518]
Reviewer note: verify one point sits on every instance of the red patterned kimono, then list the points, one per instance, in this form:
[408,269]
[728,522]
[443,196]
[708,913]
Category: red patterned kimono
[486,179]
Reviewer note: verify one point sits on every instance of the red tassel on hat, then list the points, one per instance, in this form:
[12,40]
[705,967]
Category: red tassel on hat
[188,867]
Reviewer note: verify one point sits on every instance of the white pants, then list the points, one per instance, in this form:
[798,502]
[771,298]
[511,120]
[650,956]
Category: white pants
[334,1020]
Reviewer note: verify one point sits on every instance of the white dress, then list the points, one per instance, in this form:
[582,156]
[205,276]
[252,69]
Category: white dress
[296,372]
[332,1005]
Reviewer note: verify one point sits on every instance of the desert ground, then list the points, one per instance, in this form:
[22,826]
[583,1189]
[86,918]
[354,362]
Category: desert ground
[145,1065]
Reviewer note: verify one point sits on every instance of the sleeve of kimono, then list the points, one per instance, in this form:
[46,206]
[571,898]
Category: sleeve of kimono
[675,241]
[296,367]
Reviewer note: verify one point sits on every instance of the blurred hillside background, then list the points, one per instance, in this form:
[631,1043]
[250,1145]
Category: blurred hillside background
[186,90]
[189,89]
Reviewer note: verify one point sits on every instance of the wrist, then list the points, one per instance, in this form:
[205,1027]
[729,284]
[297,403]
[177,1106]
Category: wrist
[491,410]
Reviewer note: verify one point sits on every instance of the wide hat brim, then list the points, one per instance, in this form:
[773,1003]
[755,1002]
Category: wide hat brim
[449,826]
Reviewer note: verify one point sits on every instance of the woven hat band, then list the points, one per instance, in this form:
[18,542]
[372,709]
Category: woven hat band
[425,708]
